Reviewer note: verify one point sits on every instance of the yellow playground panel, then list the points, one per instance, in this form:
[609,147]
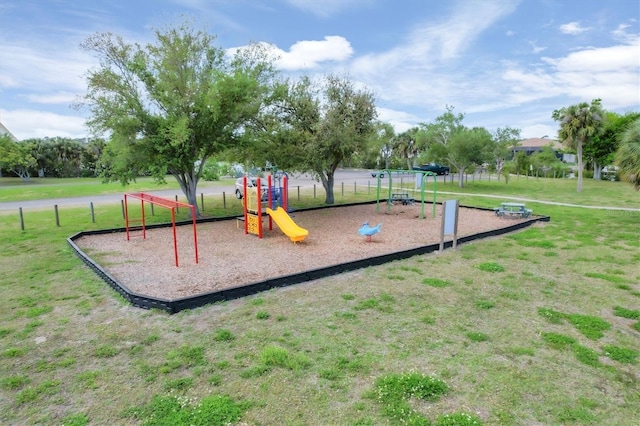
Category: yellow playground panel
[253,224]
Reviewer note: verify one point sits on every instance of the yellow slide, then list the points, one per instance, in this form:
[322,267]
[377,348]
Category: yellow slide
[287,225]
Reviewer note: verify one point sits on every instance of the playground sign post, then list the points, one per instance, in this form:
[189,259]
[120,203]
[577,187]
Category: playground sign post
[449,222]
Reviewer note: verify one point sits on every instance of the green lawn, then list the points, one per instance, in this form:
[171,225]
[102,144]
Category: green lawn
[537,327]
[14,189]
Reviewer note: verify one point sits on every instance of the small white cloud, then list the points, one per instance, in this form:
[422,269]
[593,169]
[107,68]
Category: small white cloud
[537,49]
[510,33]
[621,34]
[573,28]
[309,54]
[61,98]
[326,8]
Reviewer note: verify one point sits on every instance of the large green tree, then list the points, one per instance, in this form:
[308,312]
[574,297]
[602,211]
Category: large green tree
[601,151]
[316,126]
[407,146]
[380,145]
[579,124]
[467,147]
[505,140]
[628,155]
[170,105]
[16,156]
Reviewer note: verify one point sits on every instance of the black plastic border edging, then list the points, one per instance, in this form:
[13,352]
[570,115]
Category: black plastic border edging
[177,305]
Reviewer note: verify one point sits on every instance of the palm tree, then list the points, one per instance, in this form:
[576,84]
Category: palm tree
[578,124]
[406,146]
[628,154]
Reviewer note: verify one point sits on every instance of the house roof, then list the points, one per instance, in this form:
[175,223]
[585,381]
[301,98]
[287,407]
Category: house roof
[538,143]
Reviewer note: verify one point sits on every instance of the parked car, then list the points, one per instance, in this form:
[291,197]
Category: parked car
[251,183]
[436,168]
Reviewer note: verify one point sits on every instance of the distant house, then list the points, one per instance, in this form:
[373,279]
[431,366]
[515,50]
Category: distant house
[5,131]
[531,145]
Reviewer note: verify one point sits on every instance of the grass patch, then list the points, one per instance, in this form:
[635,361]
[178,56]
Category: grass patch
[611,278]
[214,410]
[476,336]
[586,355]
[620,354]
[393,392]
[484,304]
[276,356]
[558,341]
[626,313]
[591,326]
[262,315]
[554,317]
[436,282]
[223,335]
[491,267]
[457,419]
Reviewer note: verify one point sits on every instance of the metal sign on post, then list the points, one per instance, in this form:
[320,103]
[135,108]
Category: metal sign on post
[449,222]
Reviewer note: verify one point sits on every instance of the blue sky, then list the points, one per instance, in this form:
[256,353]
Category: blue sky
[501,62]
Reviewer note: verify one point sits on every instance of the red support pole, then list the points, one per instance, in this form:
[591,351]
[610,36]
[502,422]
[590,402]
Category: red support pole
[270,201]
[195,236]
[285,191]
[175,239]
[259,196]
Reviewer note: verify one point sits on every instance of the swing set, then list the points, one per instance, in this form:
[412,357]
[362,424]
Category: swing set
[140,224]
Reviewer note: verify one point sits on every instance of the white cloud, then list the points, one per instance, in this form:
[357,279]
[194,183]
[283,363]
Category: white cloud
[26,124]
[610,73]
[535,48]
[327,8]
[595,60]
[573,28]
[59,98]
[309,54]
[424,70]
[400,120]
[31,69]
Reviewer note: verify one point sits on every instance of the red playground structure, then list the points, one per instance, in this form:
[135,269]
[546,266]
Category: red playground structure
[162,202]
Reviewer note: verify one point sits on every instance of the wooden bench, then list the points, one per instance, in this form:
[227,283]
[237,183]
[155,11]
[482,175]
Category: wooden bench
[513,209]
[402,197]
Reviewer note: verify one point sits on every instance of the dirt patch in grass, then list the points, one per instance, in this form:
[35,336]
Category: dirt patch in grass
[229,258]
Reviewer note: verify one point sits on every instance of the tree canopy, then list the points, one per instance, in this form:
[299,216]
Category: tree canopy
[16,156]
[170,105]
[448,140]
[316,126]
[628,155]
[578,125]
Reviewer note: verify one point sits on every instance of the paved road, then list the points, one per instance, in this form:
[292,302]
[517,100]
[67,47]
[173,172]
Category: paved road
[360,177]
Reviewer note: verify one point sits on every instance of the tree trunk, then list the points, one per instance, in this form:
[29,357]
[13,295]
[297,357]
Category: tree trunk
[189,185]
[597,171]
[579,165]
[327,183]
[460,178]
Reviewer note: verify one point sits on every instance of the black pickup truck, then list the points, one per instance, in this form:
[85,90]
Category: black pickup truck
[436,168]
